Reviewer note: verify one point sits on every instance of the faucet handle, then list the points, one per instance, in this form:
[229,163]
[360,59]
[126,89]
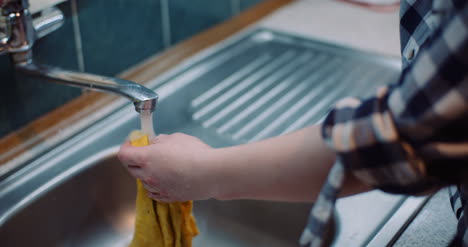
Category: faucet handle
[50,20]
[18,30]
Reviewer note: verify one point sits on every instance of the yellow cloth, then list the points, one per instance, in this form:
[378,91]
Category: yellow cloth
[159,224]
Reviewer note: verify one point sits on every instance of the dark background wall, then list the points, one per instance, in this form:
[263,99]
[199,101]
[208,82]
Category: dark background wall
[104,37]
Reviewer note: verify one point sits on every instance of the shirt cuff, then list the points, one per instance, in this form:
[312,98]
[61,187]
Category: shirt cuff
[366,140]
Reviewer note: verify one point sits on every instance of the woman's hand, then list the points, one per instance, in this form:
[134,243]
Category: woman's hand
[172,168]
[290,167]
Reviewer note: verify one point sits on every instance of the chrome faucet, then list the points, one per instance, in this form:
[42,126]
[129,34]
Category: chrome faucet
[18,32]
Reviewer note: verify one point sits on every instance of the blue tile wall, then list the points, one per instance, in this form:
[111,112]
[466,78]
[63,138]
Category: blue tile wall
[114,34]
[7,83]
[245,4]
[117,34]
[191,17]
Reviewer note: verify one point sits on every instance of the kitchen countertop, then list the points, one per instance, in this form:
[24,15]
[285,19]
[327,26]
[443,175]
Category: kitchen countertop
[341,23]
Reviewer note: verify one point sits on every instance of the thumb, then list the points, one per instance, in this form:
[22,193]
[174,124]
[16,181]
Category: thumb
[134,156]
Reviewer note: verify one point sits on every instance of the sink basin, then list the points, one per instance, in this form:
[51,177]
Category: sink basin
[257,84]
[96,207]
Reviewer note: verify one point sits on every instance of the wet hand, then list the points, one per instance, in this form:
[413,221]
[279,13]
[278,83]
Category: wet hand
[172,168]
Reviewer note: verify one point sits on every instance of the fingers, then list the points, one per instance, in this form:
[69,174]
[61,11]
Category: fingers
[155,194]
[136,156]
[159,197]
[131,156]
[139,162]
[134,159]
[136,172]
[150,188]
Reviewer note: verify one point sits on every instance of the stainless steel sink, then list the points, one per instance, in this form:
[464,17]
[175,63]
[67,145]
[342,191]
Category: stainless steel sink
[94,206]
[258,84]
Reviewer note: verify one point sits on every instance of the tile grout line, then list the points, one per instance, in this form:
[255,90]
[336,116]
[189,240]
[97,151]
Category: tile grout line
[165,23]
[77,36]
[235,7]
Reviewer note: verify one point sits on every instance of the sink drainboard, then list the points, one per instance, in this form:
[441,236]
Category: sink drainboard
[285,83]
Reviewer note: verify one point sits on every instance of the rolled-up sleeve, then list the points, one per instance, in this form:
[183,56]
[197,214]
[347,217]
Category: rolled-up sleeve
[413,135]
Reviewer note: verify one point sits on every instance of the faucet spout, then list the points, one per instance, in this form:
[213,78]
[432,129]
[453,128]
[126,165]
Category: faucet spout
[143,98]
[17,35]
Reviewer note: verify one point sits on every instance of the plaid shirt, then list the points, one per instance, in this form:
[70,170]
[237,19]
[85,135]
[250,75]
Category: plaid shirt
[412,136]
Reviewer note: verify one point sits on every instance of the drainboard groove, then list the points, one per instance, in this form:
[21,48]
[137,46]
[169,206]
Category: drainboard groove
[304,102]
[313,114]
[286,87]
[291,96]
[236,76]
[193,74]
[258,119]
[283,85]
[258,88]
[245,83]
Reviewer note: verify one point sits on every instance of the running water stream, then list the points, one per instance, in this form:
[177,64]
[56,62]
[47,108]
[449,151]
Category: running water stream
[146,119]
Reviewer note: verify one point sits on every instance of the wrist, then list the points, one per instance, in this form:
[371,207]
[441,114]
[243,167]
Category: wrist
[210,180]
[220,174]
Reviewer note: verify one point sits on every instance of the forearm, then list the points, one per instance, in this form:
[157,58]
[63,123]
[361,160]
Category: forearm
[292,167]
